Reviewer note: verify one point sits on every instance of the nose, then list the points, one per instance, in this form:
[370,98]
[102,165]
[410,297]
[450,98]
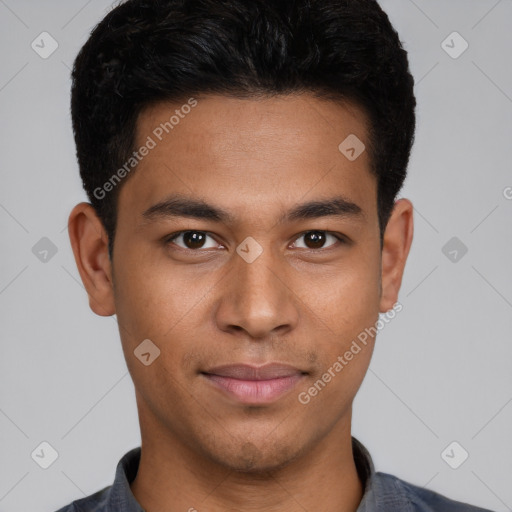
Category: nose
[258,300]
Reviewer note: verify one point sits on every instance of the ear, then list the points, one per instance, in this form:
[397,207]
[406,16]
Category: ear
[89,241]
[396,244]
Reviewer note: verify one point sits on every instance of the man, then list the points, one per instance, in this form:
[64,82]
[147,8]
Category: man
[242,159]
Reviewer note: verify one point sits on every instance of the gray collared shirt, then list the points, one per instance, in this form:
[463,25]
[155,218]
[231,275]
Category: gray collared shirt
[383,492]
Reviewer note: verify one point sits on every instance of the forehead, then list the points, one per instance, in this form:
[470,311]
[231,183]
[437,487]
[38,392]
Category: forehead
[227,124]
[261,151]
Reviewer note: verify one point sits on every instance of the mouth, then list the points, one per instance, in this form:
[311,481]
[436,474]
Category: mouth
[254,384]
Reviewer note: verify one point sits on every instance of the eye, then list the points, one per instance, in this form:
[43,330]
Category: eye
[317,240]
[192,240]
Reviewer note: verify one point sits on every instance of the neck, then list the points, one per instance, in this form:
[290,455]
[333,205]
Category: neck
[174,477]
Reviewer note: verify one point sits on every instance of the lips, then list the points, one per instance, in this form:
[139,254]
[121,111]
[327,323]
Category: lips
[254,384]
[248,372]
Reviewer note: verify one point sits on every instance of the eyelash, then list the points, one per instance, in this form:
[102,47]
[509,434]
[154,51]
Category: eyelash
[340,239]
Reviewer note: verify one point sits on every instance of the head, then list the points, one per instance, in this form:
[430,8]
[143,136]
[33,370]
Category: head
[229,220]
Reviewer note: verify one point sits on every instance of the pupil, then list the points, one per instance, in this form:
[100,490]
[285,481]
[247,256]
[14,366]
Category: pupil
[193,239]
[316,239]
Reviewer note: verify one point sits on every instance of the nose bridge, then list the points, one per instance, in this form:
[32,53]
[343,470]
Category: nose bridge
[258,280]
[257,287]
[256,298]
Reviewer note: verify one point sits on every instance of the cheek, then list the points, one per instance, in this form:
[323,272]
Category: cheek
[348,315]
[156,303]
[346,308]
[153,298]
[346,299]
[172,308]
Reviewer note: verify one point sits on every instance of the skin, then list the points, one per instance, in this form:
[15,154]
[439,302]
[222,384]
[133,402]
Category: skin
[298,303]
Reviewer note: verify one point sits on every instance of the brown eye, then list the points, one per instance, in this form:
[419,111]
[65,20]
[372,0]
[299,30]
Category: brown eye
[316,240]
[192,240]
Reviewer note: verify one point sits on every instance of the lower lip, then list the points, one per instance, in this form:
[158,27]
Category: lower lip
[255,391]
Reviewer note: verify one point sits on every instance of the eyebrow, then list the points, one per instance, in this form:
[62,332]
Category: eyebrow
[179,206]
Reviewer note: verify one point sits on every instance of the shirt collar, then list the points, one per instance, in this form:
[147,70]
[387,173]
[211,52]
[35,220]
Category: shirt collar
[380,495]
[121,497]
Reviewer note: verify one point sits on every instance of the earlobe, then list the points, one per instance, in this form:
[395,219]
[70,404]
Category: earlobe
[89,241]
[396,245]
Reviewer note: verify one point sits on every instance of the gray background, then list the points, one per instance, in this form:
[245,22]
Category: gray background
[441,371]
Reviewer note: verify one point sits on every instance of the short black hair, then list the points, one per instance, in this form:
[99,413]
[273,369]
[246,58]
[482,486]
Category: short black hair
[149,51]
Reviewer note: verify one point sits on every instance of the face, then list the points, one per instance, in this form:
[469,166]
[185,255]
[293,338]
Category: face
[247,250]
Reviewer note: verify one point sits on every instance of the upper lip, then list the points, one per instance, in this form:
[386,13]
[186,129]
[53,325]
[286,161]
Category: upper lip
[249,372]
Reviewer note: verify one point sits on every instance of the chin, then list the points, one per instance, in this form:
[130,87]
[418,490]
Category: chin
[254,459]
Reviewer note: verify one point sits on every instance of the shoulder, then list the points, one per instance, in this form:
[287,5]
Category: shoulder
[420,499]
[96,502]
[115,497]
